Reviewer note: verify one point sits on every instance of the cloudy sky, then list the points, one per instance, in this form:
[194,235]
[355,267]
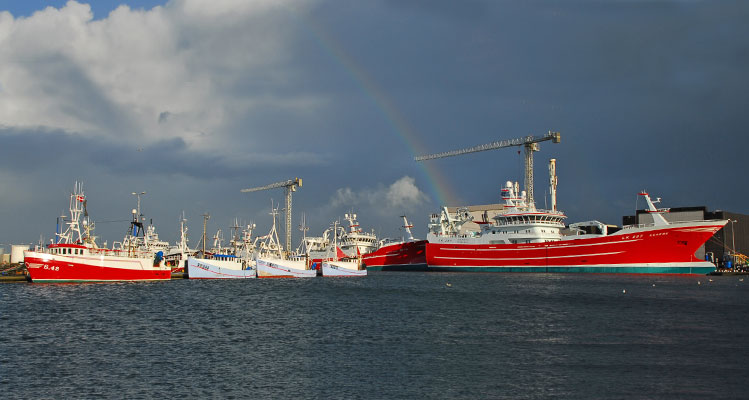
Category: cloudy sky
[191,101]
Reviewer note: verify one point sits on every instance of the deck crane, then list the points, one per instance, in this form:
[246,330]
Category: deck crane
[291,185]
[529,142]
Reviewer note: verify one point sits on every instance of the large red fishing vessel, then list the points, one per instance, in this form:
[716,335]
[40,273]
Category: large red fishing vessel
[75,257]
[524,239]
[521,238]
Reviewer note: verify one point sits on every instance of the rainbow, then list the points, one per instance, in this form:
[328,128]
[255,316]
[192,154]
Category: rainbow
[438,187]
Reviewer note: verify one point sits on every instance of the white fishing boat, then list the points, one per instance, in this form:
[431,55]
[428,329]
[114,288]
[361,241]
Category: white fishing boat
[233,262]
[219,266]
[341,264]
[273,262]
[316,248]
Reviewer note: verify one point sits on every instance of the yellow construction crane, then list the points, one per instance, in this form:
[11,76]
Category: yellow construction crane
[529,142]
[290,186]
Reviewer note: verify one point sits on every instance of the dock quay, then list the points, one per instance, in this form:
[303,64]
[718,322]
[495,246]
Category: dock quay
[729,272]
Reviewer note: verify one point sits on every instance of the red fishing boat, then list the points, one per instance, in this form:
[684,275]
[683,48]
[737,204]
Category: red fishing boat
[405,254]
[75,257]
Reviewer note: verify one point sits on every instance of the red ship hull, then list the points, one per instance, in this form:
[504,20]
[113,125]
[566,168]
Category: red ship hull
[408,256]
[53,268]
[662,249]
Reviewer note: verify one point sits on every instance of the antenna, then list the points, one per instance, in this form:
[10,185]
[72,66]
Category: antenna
[206,217]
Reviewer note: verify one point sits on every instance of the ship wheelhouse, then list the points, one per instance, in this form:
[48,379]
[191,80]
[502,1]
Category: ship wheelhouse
[524,227]
[67,249]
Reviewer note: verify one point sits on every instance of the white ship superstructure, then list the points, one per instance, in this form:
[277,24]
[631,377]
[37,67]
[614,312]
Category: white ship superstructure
[519,222]
[356,242]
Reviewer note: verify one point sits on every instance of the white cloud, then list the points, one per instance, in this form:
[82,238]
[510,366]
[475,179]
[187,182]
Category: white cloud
[404,193]
[148,75]
[401,195]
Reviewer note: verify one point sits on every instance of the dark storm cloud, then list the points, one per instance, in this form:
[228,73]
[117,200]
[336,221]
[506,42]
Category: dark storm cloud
[41,150]
[647,95]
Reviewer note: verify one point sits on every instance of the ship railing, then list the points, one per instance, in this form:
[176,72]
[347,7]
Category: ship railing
[505,222]
[459,235]
[106,252]
[670,223]
[122,253]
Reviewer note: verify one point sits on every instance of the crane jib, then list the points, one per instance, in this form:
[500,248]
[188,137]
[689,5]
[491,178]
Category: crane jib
[529,142]
[290,186]
[554,136]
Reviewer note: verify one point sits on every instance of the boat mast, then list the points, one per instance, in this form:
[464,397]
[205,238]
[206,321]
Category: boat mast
[407,227]
[206,217]
[335,237]
[553,183]
[183,237]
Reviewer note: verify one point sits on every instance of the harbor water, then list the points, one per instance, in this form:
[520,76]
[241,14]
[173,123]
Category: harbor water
[389,335]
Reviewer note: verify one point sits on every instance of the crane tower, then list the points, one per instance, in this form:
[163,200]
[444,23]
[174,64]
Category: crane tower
[291,185]
[529,142]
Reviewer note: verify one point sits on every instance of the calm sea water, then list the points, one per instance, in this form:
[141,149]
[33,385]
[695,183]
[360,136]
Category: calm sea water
[389,335]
